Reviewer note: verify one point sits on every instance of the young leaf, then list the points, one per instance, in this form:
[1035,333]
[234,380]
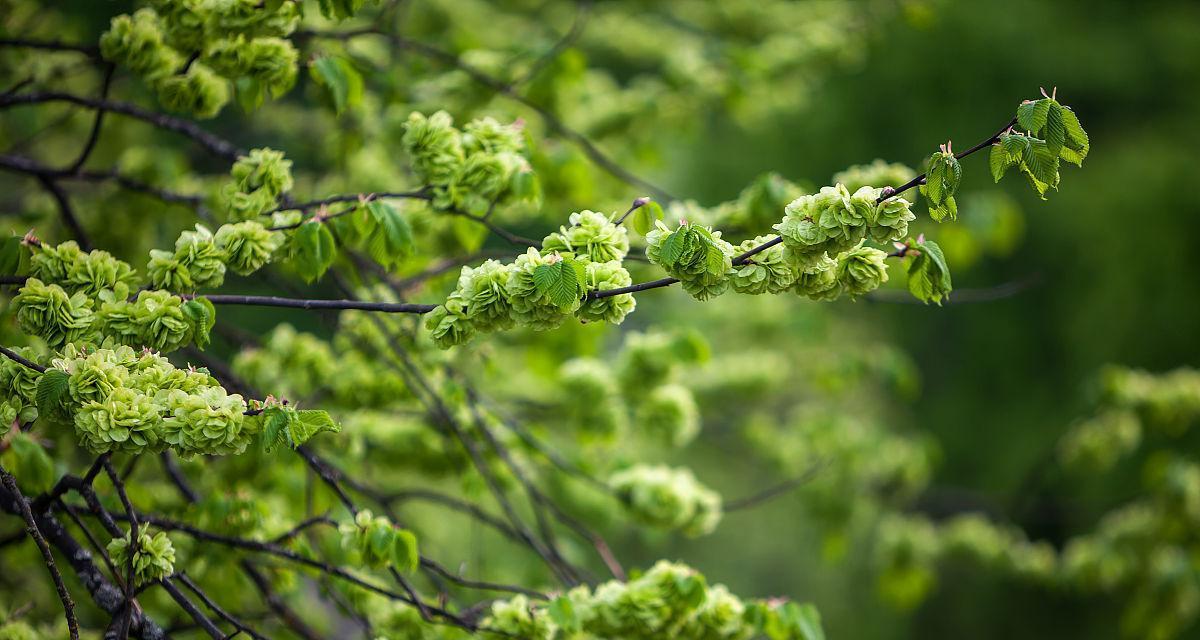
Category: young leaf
[308,423]
[391,242]
[1032,115]
[645,216]
[12,252]
[340,79]
[405,556]
[999,161]
[928,275]
[1055,132]
[313,250]
[674,246]
[29,463]
[561,282]
[203,316]
[275,420]
[51,392]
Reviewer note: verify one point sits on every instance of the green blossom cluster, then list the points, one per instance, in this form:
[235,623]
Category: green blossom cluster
[668,498]
[540,289]
[670,600]
[693,253]
[909,548]
[834,221]
[190,52]
[196,263]
[258,180]
[878,173]
[592,398]
[153,560]
[123,400]
[74,270]
[50,313]
[201,258]
[767,271]
[377,543]
[155,319]
[669,414]
[591,235]
[469,170]
[18,385]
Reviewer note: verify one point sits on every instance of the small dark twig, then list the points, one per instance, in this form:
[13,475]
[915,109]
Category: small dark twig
[32,528]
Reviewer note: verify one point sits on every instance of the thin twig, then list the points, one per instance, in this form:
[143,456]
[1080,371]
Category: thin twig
[32,528]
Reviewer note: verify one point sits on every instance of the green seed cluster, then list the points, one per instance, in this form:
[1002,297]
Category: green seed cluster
[153,560]
[661,496]
[191,52]
[541,288]
[123,400]
[469,170]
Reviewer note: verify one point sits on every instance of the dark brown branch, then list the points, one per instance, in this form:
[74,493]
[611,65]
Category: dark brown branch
[297,303]
[213,144]
[16,357]
[50,45]
[94,136]
[215,608]
[767,494]
[66,212]
[31,528]
[187,605]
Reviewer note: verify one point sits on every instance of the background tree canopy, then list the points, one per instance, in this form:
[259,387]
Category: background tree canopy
[306,331]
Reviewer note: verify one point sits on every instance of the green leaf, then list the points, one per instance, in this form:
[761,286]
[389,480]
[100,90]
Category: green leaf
[561,282]
[1078,144]
[928,274]
[675,245]
[1056,130]
[275,420]
[999,162]
[562,612]
[29,463]
[391,242]
[645,216]
[51,392]
[693,589]
[340,79]
[1041,162]
[714,260]
[1032,115]
[203,316]
[405,556]
[308,423]
[380,538]
[12,254]
[808,622]
[313,250]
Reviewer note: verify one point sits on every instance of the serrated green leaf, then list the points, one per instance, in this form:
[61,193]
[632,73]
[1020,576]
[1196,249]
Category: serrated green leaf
[1041,162]
[342,82]
[308,423]
[1014,145]
[561,282]
[714,260]
[313,250]
[51,392]
[1078,144]
[391,240]
[405,555]
[999,162]
[928,275]
[275,420]
[674,246]
[1055,132]
[203,315]
[1032,115]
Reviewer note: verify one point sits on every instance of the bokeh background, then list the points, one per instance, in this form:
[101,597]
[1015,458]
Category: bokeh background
[1101,272]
